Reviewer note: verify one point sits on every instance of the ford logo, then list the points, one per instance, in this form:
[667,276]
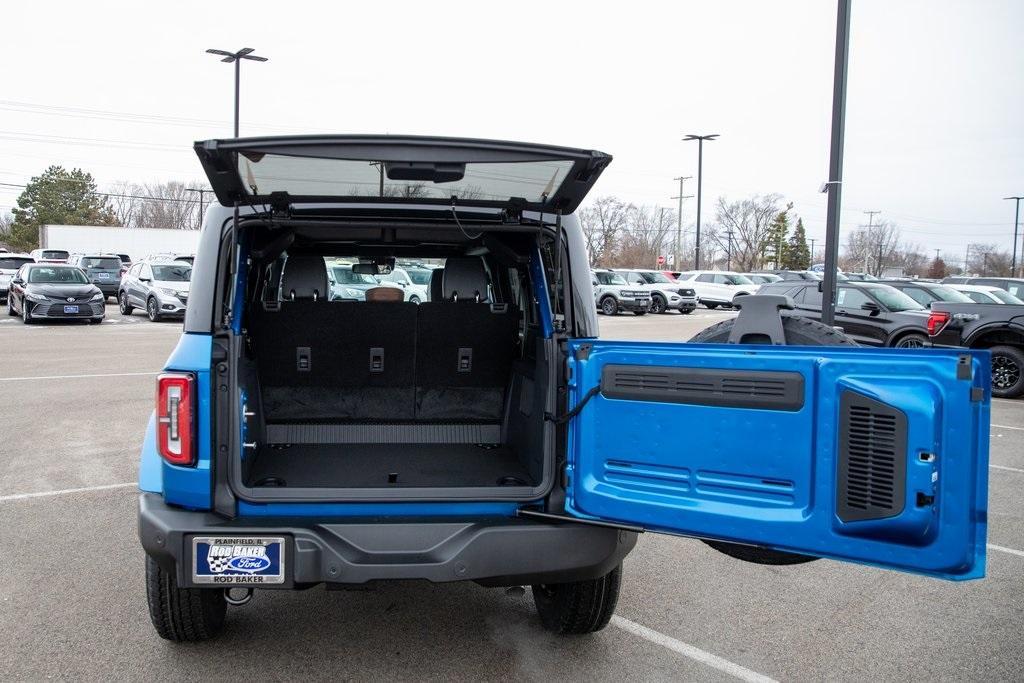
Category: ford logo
[70,299]
[249,564]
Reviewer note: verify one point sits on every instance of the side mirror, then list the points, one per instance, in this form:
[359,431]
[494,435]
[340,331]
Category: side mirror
[17,281]
[871,306]
[144,279]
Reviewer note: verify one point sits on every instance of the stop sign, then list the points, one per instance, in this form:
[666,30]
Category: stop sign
[661,260]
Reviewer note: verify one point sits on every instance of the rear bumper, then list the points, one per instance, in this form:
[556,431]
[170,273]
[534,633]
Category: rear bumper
[491,551]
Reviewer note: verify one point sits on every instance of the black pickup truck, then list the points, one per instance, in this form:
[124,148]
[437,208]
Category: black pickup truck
[996,327]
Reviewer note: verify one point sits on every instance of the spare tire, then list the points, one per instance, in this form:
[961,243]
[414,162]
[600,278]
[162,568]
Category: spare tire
[799,332]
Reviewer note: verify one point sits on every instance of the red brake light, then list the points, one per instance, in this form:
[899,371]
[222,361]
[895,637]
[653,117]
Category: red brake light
[936,321]
[175,423]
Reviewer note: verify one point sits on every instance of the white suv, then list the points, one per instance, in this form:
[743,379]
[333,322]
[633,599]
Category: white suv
[666,293]
[717,287]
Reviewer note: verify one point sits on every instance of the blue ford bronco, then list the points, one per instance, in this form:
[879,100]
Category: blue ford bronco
[488,434]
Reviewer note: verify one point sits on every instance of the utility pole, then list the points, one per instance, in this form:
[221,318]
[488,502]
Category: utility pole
[834,184]
[871,224]
[676,259]
[1016,223]
[728,250]
[700,176]
[812,250]
[202,205]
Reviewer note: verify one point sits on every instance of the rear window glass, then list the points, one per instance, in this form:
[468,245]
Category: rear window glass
[54,254]
[312,177]
[420,277]
[1006,297]
[12,263]
[57,275]
[182,273]
[99,262]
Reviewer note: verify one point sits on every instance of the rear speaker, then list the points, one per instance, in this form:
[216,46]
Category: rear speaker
[872,459]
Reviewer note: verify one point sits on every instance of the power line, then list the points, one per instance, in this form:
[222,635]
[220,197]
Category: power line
[121,196]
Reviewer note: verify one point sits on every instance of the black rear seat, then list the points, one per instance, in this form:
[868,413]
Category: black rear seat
[448,359]
[465,347]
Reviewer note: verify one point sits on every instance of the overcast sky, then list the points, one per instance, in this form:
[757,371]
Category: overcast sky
[934,136]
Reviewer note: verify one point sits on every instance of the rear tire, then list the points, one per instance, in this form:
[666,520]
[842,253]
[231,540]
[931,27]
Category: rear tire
[799,332]
[911,341]
[1007,364]
[580,606]
[182,614]
[711,306]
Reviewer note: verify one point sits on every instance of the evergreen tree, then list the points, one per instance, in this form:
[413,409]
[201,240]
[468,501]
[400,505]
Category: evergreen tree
[796,255]
[57,197]
[774,249]
[937,269]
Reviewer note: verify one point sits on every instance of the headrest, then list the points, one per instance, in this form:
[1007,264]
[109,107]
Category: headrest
[436,289]
[385,294]
[305,277]
[465,280]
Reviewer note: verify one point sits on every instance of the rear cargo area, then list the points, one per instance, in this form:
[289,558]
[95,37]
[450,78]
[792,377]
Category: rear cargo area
[356,395]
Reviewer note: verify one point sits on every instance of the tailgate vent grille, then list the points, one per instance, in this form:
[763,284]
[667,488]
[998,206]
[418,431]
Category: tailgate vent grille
[705,386]
[872,459]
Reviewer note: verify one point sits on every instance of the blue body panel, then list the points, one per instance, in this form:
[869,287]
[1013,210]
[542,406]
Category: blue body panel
[151,470]
[388,510]
[769,477]
[189,487]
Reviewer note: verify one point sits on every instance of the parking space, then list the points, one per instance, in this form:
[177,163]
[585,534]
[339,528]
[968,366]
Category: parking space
[72,603]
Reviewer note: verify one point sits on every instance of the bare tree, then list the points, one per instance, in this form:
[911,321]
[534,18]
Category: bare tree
[172,206]
[750,223]
[873,249]
[988,259]
[602,223]
[6,221]
[647,235]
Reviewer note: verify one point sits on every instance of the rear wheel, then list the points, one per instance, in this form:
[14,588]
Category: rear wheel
[710,305]
[182,614]
[122,302]
[152,309]
[414,299]
[911,341]
[609,306]
[798,332]
[580,606]
[1007,371]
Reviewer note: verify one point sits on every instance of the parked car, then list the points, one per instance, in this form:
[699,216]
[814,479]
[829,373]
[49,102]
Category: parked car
[761,278]
[346,284]
[103,270]
[666,294]
[9,265]
[165,257]
[982,294]
[670,274]
[612,293]
[861,277]
[1014,286]
[999,329]
[871,313]
[926,293]
[490,435]
[809,275]
[414,281]
[160,288]
[126,260]
[717,288]
[53,291]
[50,255]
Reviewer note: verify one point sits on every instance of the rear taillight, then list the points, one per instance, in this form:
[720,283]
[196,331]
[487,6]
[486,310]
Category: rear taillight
[936,321]
[175,422]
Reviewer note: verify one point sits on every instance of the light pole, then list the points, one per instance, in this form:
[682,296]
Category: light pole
[1016,223]
[677,259]
[237,57]
[700,171]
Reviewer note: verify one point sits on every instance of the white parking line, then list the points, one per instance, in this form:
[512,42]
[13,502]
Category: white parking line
[694,653]
[1019,429]
[1001,549]
[1004,467]
[111,374]
[62,492]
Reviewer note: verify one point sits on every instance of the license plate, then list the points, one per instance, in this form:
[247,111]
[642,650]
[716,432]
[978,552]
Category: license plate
[103,276]
[231,560]
[71,309]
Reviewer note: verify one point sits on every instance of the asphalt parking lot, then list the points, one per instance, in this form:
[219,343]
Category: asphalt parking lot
[75,400]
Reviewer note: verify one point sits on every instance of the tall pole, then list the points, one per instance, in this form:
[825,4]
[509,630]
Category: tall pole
[835,165]
[238,76]
[700,177]
[1016,224]
[677,260]
[728,251]
[812,250]
[237,57]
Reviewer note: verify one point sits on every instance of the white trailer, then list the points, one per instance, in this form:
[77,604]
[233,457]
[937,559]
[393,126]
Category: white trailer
[136,242]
